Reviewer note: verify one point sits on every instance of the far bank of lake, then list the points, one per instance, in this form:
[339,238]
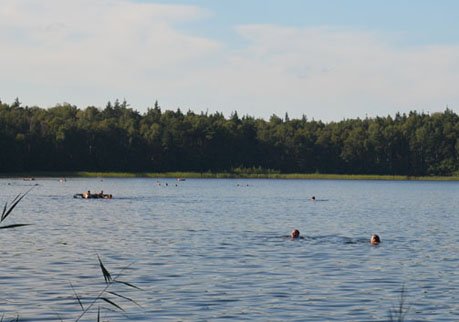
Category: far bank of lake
[226,175]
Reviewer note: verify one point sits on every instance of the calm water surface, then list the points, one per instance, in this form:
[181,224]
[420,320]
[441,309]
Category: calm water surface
[205,250]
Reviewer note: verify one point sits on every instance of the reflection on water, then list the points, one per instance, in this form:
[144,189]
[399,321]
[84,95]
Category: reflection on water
[214,249]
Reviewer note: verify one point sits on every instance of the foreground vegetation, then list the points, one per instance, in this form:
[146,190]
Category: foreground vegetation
[119,139]
[106,295]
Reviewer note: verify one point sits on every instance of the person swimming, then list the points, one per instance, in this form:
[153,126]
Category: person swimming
[295,233]
[374,239]
[313,198]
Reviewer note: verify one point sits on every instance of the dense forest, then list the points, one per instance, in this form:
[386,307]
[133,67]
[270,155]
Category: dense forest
[119,138]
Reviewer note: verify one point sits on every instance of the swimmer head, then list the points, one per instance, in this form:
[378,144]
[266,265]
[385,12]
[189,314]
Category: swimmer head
[295,233]
[375,240]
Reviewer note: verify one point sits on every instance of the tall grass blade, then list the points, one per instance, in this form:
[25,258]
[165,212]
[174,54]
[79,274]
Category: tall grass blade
[98,314]
[58,316]
[10,209]
[125,297]
[14,226]
[112,303]
[128,284]
[4,209]
[109,283]
[77,297]
[14,204]
[398,313]
[107,276]
[15,198]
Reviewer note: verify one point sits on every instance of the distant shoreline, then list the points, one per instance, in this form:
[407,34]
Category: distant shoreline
[224,175]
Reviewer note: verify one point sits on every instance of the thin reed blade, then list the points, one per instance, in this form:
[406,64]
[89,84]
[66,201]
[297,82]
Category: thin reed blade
[15,203]
[107,276]
[77,297]
[3,214]
[15,198]
[112,303]
[125,297]
[13,226]
[128,284]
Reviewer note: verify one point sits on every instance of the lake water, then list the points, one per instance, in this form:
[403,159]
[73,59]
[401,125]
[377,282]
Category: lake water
[205,250]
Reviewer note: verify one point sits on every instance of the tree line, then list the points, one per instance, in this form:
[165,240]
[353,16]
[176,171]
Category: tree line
[119,138]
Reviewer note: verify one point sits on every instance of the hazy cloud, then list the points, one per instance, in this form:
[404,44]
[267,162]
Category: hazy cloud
[87,52]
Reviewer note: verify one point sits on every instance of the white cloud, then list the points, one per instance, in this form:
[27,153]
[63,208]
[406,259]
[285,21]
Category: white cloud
[86,52]
[331,73]
[114,45]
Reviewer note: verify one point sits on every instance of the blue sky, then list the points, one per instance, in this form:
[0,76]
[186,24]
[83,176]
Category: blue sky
[328,60]
[423,21]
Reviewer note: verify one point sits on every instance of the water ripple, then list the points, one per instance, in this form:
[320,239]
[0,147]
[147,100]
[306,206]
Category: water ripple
[208,250]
